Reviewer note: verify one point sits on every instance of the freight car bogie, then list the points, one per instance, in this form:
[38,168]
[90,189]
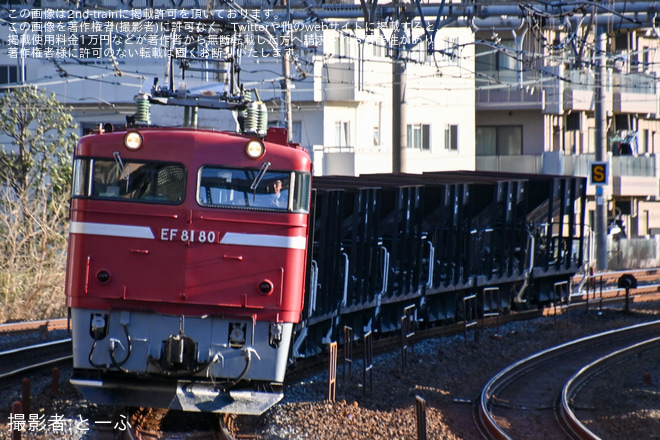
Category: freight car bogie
[179,362]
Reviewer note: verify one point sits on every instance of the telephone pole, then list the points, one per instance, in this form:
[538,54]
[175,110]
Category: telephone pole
[399,123]
[285,84]
[601,128]
[287,112]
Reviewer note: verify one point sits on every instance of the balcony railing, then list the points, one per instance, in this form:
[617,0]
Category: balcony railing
[581,80]
[635,83]
[621,166]
[557,90]
[510,97]
[572,165]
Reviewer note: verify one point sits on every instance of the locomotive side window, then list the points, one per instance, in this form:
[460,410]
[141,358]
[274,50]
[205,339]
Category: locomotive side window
[301,192]
[159,182]
[250,189]
[81,175]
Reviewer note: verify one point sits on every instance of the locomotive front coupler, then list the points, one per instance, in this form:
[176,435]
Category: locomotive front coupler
[179,353]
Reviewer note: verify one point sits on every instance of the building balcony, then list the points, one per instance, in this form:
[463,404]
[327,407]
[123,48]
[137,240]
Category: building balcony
[349,80]
[525,164]
[635,93]
[578,99]
[632,176]
[559,90]
[510,98]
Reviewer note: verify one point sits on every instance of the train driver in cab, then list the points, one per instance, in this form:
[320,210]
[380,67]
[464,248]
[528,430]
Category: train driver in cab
[278,199]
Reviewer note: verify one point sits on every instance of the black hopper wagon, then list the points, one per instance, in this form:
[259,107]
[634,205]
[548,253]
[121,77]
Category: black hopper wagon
[439,243]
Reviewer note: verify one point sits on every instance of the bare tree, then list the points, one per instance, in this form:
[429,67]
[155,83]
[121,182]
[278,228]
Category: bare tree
[35,177]
[33,257]
[40,130]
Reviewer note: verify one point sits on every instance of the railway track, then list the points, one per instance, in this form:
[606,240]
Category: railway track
[152,430]
[16,362]
[525,398]
[42,326]
[569,419]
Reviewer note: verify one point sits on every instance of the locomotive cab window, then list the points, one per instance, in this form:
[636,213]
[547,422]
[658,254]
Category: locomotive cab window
[253,189]
[116,179]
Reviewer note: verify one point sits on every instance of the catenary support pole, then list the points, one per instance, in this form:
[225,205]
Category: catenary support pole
[399,127]
[601,128]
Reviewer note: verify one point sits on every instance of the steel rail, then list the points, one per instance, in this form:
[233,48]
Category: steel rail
[484,418]
[25,351]
[572,387]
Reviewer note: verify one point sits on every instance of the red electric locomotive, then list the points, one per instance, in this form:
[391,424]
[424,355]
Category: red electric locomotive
[186,267]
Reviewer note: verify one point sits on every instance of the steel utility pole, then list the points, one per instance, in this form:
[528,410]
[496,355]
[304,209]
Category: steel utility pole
[399,122]
[601,128]
[287,112]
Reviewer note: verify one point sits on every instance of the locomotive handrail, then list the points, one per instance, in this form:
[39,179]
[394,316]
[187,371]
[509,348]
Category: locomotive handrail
[313,288]
[386,269]
[429,281]
[531,242]
[344,300]
[587,264]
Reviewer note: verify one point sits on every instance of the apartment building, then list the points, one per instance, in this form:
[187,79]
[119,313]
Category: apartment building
[535,112]
[341,77]
[343,112]
[503,98]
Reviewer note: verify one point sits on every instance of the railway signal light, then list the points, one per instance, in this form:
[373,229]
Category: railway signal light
[598,173]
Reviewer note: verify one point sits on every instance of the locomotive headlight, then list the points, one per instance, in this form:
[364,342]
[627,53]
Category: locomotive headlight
[255,149]
[133,140]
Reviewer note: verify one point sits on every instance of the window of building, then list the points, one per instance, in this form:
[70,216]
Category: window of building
[376,136]
[377,49]
[343,46]
[419,136]
[451,137]
[421,52]
[342,134]
[450,51]
[501,140]
[9,74]
[486,139]
[296,136]
[643,142]
[497,62]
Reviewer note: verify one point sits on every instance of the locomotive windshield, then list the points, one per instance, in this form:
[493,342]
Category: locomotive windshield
[221,187]
[116,179]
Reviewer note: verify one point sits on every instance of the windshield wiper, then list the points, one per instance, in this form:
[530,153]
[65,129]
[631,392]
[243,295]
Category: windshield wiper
[122,169]
[259,176]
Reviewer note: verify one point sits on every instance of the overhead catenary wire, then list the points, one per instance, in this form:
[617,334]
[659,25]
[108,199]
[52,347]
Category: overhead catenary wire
[534,13]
